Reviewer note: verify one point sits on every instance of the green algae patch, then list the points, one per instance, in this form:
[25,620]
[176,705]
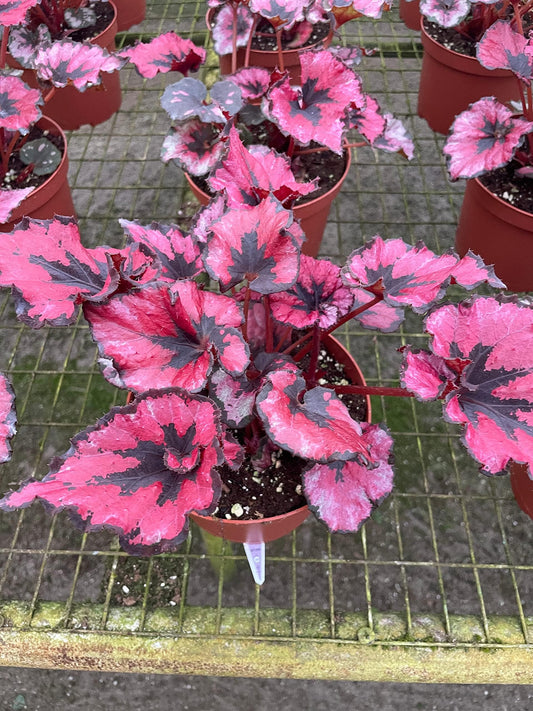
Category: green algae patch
[199,620]
[313,623]
[275,623]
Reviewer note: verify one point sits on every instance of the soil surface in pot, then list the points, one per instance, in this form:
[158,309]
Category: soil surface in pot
[518,192]
[451,39]
[104,16]
[264,38]
[278,489]
[19,175]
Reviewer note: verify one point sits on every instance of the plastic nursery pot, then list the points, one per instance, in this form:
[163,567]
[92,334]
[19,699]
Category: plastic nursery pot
[450,82]
[270,59]
[71,108]
[270,529]
[410,14]
[53,196]
[522,487]
[312,214]
[129,13]
[499,232]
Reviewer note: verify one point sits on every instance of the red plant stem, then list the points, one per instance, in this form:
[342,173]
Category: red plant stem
[315,351]
[246,308]
[234,39]
[3,48]
[347,146]
[249,43]
[370,390]
[268,325]
[280,50]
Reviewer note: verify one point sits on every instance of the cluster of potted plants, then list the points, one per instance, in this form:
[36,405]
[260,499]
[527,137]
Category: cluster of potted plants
[243,411]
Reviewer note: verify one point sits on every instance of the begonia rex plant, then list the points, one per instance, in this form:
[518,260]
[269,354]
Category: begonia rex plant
[229,372]
[57,62]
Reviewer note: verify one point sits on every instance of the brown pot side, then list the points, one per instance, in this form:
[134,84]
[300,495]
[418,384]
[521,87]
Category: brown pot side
[450,82]
[269,529]
[410,14]
[51,198]
[522,487]
[500,233]
[129,13]
[312,215]
[71,108]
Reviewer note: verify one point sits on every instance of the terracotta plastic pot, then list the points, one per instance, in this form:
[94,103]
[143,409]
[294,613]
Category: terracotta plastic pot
[410,14]
[53,196]
[313,215]
[129,13]
[71,108]
[498,232]
[450,82]
[522,487]
[269,59]
[269,529]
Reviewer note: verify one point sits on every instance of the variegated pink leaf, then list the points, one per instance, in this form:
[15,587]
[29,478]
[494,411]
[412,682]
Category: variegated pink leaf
[247,175]
[25,43]
[178,254]
[204,218]
[10,200]
[19,105]
[51,272]
[252,81]
[424,374]
[313,424]
[255,244]
[471,271]
[225,31]
[367,119]
[380,317]
[280,14]
[147,341]
[318,297]
[139,471]
[502,47]
[345,10]
[166,53]
[395,138]
[187,99]
[493,396]
[194,146]
[73,63]
[8,417]
[343,494]
[446,13]
[13,12]
[483,137]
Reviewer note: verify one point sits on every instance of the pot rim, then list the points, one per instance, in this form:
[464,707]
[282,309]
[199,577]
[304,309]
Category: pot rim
[498,206]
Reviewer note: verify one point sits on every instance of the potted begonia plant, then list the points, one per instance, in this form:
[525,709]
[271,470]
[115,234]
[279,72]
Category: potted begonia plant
[234,381]
[307,126]
[451,77]
[491,144]
[42,24]
[33,149]
[271,33]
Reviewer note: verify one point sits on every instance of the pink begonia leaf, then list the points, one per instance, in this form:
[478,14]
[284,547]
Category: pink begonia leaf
[446,13]
[471,271]
[254,244]
[380,317]
[178,254]
[317,111]
[395,138]
[137,265]
[13,12]
[345,10]
[147,341]
[140,470]
[252,81]
[483,137]
[343,494]
[280,14]
[367,119]
[166,53]
[351,56]
[186,99]
[300,34]
[235,396]
[19,105]
[424,374]
[502,47]
[313,424]
[410,276]
[8,417]
[493,395]
[318,297]
[51,272]
[204,218]
[232,449]
[10,200]
[67,63]
[194,146]
[248,175]
[224,30]
[25,43]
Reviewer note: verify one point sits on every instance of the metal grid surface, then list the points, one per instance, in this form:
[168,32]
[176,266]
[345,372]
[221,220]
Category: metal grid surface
[436,587]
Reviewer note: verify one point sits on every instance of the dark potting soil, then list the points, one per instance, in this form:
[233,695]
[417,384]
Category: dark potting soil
[18,175]
[104,16]
[278,489]
[265,37]
[451,39]
[516,191]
